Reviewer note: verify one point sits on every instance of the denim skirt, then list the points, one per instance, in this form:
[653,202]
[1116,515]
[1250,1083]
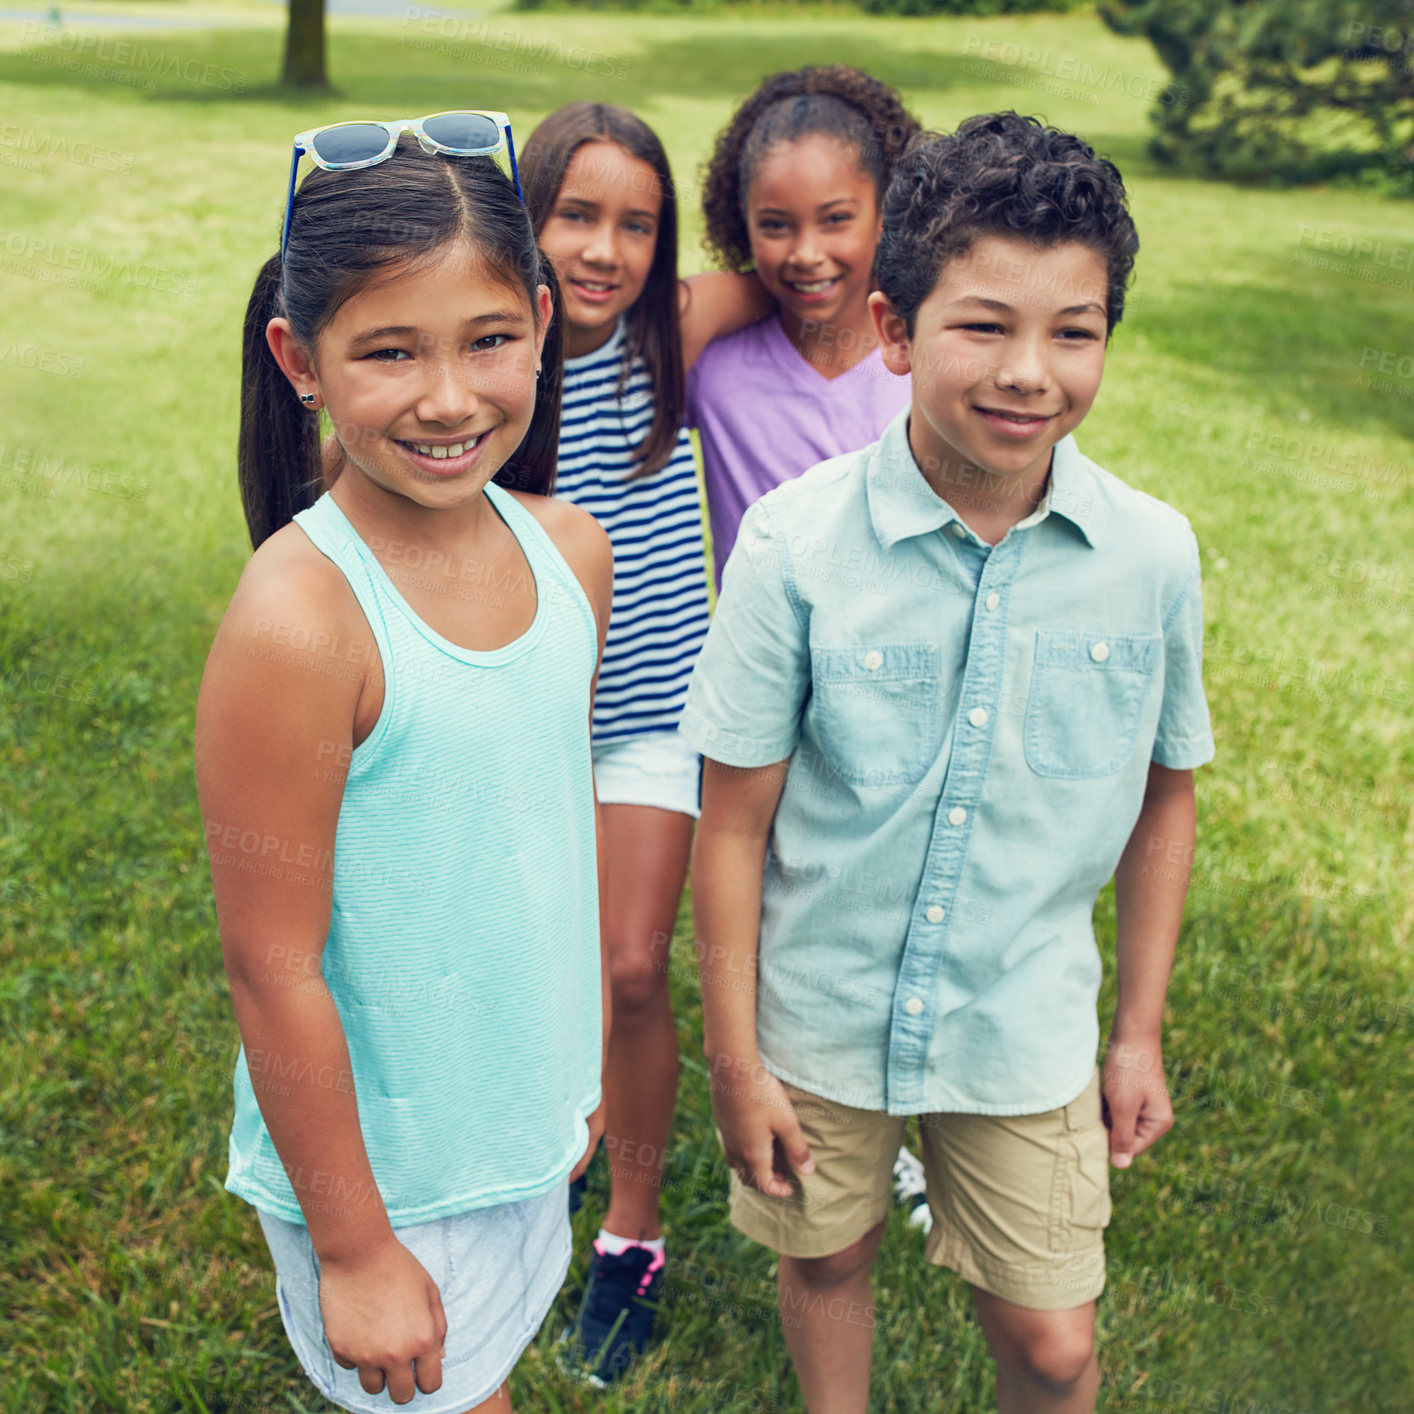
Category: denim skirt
[497,1269]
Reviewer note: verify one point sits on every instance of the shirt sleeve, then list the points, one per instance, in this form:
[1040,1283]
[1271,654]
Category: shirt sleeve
[1185,736]
[752,678]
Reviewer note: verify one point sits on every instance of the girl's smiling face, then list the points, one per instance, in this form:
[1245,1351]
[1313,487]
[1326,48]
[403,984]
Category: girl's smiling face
[428,375]
[602,234]
[812,214]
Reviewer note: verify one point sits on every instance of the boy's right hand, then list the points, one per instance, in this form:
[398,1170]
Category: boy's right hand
[761,1137]
[383,1317]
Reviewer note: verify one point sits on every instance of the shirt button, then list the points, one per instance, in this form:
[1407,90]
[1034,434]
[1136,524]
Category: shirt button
[913,1005]
[959,530]
[934,914]
[1099,651]
[873,660]
[978,716]
[956,815]
[993,599]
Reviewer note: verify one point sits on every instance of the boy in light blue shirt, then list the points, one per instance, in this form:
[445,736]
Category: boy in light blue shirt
[952,687]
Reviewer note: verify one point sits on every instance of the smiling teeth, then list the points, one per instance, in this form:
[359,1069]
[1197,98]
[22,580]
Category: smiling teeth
[593,287]
[441,451]
[813,288]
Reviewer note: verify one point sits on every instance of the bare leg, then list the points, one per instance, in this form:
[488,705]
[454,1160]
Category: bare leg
[647,852]
[1045,1359]
[827,1314]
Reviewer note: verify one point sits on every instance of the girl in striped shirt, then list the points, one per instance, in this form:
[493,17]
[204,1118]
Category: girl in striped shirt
[600,196]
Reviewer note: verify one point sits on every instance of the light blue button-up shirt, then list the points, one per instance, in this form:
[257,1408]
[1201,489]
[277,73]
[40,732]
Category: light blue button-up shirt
[969,729]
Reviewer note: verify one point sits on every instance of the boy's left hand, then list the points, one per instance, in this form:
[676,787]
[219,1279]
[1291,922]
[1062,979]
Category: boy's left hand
[1136,1105]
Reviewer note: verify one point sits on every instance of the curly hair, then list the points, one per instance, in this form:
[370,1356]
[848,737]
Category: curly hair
[1000,175]
[836,101]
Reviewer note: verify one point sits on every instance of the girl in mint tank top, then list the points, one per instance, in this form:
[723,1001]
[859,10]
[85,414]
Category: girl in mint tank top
[393,759]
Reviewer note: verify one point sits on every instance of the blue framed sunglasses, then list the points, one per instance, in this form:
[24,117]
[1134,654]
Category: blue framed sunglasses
[344,147]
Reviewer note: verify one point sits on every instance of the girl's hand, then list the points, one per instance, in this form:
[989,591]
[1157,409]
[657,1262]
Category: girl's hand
[596,1133]
[383,1317]
[761,1137]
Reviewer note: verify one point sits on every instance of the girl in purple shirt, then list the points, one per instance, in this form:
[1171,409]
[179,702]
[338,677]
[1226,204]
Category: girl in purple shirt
[794,191]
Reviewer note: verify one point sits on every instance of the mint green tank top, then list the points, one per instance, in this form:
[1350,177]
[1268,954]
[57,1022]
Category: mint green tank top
[463,947]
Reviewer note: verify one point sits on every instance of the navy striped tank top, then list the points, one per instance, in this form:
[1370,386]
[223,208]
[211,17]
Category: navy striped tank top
[463,947]
[654,523]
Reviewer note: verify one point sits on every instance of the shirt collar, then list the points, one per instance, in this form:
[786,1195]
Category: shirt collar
[902,504]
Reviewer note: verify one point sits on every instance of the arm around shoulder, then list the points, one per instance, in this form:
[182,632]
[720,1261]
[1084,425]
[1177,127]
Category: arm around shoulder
[715,304]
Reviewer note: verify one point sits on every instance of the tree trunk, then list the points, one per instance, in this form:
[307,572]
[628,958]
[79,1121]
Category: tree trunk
[304,45]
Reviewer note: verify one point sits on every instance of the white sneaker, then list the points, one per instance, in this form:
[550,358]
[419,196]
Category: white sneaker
[911,1190]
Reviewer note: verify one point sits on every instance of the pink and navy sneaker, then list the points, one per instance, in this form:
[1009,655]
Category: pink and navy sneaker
[615,1320]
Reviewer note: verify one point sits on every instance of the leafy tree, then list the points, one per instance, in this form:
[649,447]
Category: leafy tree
[1286,90]
[304,46]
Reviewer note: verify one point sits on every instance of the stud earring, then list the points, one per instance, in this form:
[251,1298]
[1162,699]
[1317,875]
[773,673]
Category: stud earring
[306,398]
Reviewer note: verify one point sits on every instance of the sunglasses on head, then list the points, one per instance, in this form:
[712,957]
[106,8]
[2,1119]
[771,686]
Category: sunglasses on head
[344,147]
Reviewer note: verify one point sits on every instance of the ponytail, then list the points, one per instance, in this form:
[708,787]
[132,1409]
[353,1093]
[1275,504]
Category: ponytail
[531,467]
[278,452]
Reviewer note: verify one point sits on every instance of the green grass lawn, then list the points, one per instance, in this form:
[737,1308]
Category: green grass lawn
[1261,1257]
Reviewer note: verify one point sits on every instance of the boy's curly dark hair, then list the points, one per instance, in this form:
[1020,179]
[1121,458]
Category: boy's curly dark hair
[1000,175]
[835,100]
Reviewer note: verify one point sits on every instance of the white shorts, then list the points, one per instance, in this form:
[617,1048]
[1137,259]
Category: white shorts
[653,768]
[498,1271]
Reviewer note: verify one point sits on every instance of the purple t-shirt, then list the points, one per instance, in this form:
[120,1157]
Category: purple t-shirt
[765,415]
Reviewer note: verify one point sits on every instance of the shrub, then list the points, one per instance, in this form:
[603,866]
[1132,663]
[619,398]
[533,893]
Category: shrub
[1282,90]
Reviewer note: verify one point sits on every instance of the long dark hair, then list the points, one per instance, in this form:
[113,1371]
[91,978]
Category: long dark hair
[835,101]
[651,328]
[348,228]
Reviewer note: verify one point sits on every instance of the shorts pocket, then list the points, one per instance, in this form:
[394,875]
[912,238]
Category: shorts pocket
[875,712]
[1087,697]
[315,1357]
[297,1292]
[429,1243]
[1080,1184]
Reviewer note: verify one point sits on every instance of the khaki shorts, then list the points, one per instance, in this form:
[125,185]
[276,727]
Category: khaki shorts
[1019,1202]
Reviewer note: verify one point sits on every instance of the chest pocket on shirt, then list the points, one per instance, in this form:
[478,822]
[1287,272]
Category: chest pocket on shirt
[1086,702]
[875,711]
